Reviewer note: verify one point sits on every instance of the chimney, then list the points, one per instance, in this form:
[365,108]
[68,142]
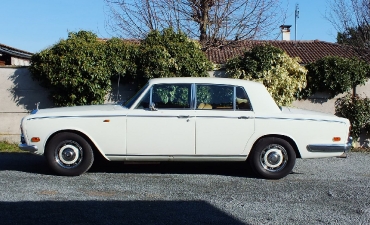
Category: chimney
[285,30]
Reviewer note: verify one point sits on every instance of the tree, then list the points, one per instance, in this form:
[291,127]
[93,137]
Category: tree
[121,58]
[74,70]
[357,37]
[351,19]
[211,21]
[335,75]
[170,54]
[281,74]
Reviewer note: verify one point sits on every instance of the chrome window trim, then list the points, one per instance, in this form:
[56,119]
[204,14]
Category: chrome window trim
[282,118]
[193,100]
[160,116]
[234,98]
[74,117]
[150,95]
[225,117]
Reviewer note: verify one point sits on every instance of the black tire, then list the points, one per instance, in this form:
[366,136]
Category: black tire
[272,158]
[69,154]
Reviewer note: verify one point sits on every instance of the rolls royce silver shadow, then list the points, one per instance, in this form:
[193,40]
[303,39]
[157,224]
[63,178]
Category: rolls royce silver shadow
[186,119]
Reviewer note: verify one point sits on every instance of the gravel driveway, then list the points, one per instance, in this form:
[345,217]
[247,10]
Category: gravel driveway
[319,191]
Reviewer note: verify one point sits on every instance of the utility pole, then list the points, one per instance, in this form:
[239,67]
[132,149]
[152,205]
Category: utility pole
[295,20]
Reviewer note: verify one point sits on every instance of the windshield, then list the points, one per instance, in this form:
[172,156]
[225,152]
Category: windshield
[132,100]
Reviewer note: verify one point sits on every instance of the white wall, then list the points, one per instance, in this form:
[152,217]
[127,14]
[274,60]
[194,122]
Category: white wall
[19,95]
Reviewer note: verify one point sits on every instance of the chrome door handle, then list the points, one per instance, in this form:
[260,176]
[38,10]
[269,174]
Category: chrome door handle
[182,117]
[244,117]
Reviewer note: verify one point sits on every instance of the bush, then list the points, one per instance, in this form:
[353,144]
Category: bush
[335,75]
[74,70]
[170,54]
[121,58]
[357,110]
[281,74]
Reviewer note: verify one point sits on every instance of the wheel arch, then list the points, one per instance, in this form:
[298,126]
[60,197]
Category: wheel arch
[284,137]
[95,149]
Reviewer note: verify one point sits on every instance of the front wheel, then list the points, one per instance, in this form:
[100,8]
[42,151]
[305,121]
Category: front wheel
[69,154]
[272,158]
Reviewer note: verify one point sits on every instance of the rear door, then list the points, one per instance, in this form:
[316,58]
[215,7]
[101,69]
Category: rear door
[224,120]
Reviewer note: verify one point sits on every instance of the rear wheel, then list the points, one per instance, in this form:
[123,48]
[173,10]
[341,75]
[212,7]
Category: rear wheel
[272,158]
[69,154]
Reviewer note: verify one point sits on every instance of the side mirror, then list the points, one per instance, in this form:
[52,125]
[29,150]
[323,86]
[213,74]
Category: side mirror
[152,107]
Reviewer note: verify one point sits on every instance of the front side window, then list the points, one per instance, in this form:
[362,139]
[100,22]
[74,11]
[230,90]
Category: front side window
[168,96]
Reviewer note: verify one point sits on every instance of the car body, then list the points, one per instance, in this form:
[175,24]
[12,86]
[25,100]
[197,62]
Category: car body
[186,119]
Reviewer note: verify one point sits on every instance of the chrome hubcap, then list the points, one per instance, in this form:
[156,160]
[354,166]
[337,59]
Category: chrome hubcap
[68,154]
[274,158]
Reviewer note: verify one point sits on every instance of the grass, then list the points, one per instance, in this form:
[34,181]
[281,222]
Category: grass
[360,150]
[6,146]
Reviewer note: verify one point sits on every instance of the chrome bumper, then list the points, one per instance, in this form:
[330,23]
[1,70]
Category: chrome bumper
[29,148]
[331,147]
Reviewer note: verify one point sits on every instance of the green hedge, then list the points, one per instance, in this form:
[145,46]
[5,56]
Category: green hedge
[78,70]
[357,110]
[335,75]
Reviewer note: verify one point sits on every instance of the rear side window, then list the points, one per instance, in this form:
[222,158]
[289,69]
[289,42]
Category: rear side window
[215,97]
[221,97]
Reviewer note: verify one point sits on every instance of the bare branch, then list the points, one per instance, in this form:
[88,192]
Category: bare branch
[212,21]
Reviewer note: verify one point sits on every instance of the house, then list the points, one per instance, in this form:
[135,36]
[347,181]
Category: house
[307,51]
[10,56]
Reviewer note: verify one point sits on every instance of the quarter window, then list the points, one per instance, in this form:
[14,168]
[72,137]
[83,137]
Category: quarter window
[242,100]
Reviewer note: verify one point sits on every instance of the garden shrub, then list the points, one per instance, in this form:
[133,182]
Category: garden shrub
[335,75]
[170,54]
[121,58]
[357,110]
[281,74]
[74,70]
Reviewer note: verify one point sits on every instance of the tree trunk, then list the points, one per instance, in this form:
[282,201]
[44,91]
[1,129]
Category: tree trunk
[204,20]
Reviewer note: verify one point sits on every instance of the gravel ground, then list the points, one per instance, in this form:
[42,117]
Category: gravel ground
[319,191]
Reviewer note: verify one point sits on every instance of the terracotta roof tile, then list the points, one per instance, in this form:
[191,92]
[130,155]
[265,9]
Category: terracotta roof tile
[307,51]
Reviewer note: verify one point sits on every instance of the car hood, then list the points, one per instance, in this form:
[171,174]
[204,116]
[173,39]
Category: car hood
[79,110]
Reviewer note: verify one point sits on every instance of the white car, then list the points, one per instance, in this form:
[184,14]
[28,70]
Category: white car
[186,119]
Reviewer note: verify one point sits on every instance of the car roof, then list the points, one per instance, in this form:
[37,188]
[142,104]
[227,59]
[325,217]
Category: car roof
[204,80]
[257,92]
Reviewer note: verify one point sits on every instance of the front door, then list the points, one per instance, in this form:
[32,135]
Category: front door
[162,123]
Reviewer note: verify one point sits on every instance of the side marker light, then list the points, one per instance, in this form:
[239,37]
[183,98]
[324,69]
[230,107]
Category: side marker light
[35,139]
[336,139]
